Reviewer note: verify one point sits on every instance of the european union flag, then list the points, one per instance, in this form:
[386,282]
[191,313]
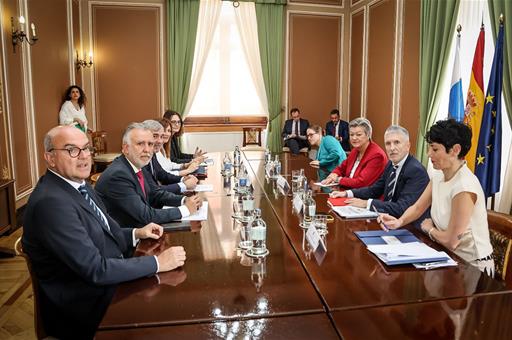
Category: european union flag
[488,152]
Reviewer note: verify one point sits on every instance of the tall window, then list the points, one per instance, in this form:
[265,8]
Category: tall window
[226,87]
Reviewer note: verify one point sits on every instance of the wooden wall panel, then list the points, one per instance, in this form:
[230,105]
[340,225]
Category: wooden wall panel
[314,65]
[381,43]
[126,67]
[16,98]
[77,46]
[4,135]
[356,64]
[50,66]
[409,96]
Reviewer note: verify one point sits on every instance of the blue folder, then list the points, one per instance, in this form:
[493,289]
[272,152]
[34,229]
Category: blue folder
[405,236]
[374,236]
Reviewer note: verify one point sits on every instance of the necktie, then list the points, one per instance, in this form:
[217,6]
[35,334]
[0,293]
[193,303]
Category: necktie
[140,176]
[85,193]
[391,183]
[296,127]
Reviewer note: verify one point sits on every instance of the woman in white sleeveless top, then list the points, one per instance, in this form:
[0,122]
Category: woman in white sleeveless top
[459,215]
[72,111]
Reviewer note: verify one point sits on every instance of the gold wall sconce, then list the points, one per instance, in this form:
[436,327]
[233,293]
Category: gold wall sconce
[19,35]
[83,63]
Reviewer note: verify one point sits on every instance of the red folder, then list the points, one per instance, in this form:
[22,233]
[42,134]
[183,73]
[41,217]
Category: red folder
[337,202]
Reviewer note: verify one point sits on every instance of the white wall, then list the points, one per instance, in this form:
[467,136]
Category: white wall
[215,141]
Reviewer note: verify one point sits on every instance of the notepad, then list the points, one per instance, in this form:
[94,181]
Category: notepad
[200,215]
[354,212]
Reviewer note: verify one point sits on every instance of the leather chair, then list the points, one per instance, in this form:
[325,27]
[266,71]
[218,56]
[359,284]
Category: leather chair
[500,229]
[94,178]
[38,322]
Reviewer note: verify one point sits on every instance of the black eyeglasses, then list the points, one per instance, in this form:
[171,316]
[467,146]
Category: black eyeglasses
[75,151]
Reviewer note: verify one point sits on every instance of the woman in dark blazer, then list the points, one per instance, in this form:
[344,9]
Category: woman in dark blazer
[365,163]
[177,155]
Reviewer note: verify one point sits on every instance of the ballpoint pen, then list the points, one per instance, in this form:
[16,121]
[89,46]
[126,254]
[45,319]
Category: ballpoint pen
[379,221]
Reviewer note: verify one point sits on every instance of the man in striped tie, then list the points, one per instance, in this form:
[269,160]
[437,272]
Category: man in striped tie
[78,252]
[401,184]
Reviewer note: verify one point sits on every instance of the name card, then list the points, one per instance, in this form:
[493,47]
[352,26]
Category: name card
[297,204]
[315,241]
[283,184]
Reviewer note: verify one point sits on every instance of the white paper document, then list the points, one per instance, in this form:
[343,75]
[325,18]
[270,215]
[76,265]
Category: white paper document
[403,249]
[200,215]
[207,162]
[204,188]
[354,212]
[325,185]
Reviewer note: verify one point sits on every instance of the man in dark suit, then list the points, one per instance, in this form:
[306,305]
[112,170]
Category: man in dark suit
[78,252]
[166,180]
[130,195]
[294,132]
[401,184]
[338,129]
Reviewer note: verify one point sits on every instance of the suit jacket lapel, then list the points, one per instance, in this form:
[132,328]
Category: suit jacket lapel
[77,197]
[135,179]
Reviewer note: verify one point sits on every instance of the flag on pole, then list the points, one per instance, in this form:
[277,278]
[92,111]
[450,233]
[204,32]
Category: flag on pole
[456,105]
[475,98]
[488,152]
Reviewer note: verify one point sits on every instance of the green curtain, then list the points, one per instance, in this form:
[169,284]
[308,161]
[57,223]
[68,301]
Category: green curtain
[497,7]
[182,16]
[437,27]
[270,18]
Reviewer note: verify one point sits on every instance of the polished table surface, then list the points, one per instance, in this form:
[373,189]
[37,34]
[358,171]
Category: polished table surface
[310,326]
[479,317]
[218,285]
[350,276]
[216,282]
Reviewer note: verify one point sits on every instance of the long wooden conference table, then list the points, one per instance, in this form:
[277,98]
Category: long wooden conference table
[292,294]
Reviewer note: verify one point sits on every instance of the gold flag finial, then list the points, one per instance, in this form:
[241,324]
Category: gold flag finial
[501,19]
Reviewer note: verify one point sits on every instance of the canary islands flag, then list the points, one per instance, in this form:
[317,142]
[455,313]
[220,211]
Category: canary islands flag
[456,104]
[488,152]
[475,98]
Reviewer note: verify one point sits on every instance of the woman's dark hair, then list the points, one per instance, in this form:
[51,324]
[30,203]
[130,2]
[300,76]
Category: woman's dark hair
[67,95]
[448,133]
[167,146]
[168,114]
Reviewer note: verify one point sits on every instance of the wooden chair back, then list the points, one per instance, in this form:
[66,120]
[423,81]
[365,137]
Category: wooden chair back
[252,136]
[500,229]
[99,142]
[38,322]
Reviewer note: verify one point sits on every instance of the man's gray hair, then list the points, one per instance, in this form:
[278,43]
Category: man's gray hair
[362,122]
[152,125]
[48,142]
[128,131]
[397,129]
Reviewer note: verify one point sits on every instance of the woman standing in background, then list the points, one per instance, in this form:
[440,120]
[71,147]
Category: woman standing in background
[72,111]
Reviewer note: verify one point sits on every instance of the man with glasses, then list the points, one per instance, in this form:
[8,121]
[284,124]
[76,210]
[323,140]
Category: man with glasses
[131,196]
[78,252]
[166,180]
[401,183]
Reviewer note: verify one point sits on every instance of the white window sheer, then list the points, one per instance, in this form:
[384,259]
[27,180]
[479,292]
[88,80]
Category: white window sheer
[226,85]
